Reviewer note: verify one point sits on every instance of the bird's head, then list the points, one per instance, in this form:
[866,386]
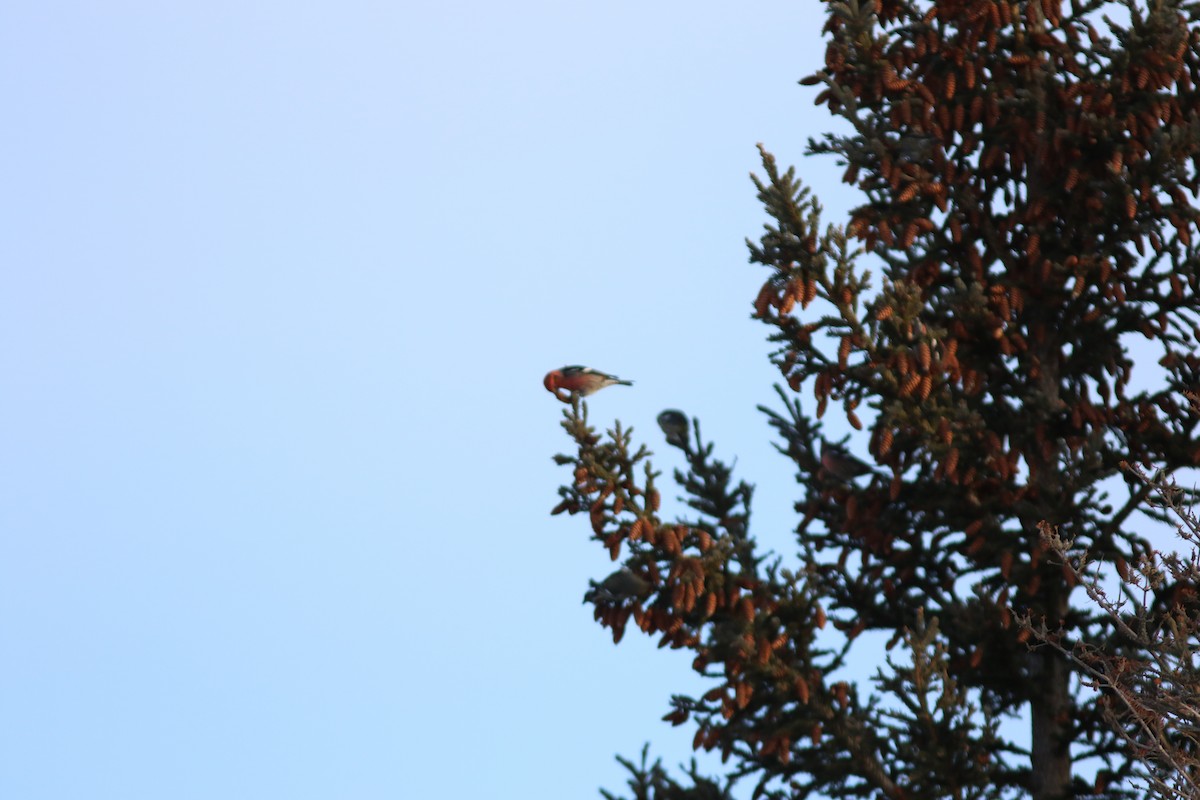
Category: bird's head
[552,379]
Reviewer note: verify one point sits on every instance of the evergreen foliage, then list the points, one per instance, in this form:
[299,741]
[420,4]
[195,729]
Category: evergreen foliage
[1027,169]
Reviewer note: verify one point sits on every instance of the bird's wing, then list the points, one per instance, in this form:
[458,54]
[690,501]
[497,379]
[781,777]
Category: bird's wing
[578,370]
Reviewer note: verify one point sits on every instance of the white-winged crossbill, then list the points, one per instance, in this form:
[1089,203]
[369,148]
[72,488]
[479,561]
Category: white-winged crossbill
[622,584]
[840,464]
[674,424]
[579,380]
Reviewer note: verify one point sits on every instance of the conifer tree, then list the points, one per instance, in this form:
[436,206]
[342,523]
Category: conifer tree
[1027,171]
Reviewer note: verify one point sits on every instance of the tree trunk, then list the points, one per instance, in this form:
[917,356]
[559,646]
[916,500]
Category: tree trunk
[1050,753]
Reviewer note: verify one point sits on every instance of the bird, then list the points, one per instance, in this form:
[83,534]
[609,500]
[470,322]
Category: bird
[579,380]
[674,424]
[622,584]
[840,464]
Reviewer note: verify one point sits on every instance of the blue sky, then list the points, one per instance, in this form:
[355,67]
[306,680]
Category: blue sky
[280,284]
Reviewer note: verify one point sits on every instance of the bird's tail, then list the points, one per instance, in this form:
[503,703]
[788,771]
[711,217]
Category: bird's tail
[625,383]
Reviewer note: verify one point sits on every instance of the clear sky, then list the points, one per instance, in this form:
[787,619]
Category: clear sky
[280,283]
